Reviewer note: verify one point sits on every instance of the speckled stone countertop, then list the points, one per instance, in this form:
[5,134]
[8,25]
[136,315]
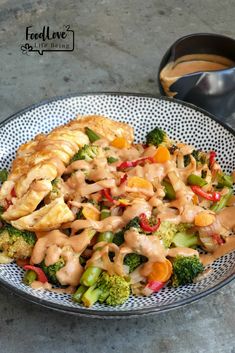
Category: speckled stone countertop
[118,47]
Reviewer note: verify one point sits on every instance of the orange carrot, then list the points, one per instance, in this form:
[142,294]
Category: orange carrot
[161,271]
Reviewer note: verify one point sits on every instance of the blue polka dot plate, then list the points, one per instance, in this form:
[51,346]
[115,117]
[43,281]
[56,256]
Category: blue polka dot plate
[182,122]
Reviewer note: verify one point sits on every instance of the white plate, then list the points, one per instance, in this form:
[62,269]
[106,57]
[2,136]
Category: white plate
[182,122]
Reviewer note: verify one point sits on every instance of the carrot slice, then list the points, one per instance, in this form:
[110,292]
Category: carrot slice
[162,155]
[161,271]
[120,142]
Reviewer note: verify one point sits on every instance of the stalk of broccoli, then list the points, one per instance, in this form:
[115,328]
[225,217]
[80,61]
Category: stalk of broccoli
[118,238]
[16,243]
[185,269]
[87,152]
[111,290]
[186,240]
[50,271]
[156,137]
[133,261]
[224,180]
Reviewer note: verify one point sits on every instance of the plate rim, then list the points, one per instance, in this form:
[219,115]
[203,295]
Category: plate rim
[104,314]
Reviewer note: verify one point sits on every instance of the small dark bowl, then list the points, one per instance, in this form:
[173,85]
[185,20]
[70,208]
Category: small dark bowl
[211,90]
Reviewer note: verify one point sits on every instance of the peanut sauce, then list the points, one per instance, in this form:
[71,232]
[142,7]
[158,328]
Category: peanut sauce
[87,179]
[189,64]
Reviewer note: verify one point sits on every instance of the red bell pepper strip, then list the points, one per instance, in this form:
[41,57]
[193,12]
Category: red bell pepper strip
[155,286]
[144,223]
[22,262]
[211,196]
[40,274]
[212,158]
[123,179]
[217,238]
[13,192]
[106,194]
[129,164]
[8,203]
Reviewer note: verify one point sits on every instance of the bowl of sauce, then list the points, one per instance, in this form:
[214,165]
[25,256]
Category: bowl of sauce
[200,69]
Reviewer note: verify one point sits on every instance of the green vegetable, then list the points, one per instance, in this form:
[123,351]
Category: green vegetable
[198,155]
[82,260]
[2,210]
[56,188]
[185,269]
[3,175]
[14,233]
[185,240]
[156,137]
[111,160]
[106,236]
[218,206]
[16,243]
[119,236]
[91,134]
[79,214]
[224,180]
[77,296]
[50,271]
[168,230]
[87,152]
[112,290]
[196,180]
[29,277]
[133,261]
[169,190]
[90,276]
[104,213]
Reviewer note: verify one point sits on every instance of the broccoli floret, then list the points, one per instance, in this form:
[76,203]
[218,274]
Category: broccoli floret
[118,238]
[133,223]
[156,137]
[185,269]
[112,290]
[186,240]
[87,152]
[56,189]
[198,155]
[16,243]
[3,175]
[50,271]
[167,231]
[133,260]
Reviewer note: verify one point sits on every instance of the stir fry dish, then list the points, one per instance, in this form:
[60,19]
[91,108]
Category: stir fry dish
[86,211]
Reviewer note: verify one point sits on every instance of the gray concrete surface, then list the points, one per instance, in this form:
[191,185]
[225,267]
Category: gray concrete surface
[118,46]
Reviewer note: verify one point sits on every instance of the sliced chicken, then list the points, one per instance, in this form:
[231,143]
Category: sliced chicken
[49,217]
[29,202]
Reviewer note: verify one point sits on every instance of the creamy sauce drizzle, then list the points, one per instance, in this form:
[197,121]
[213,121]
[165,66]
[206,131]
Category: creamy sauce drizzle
[189,64]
